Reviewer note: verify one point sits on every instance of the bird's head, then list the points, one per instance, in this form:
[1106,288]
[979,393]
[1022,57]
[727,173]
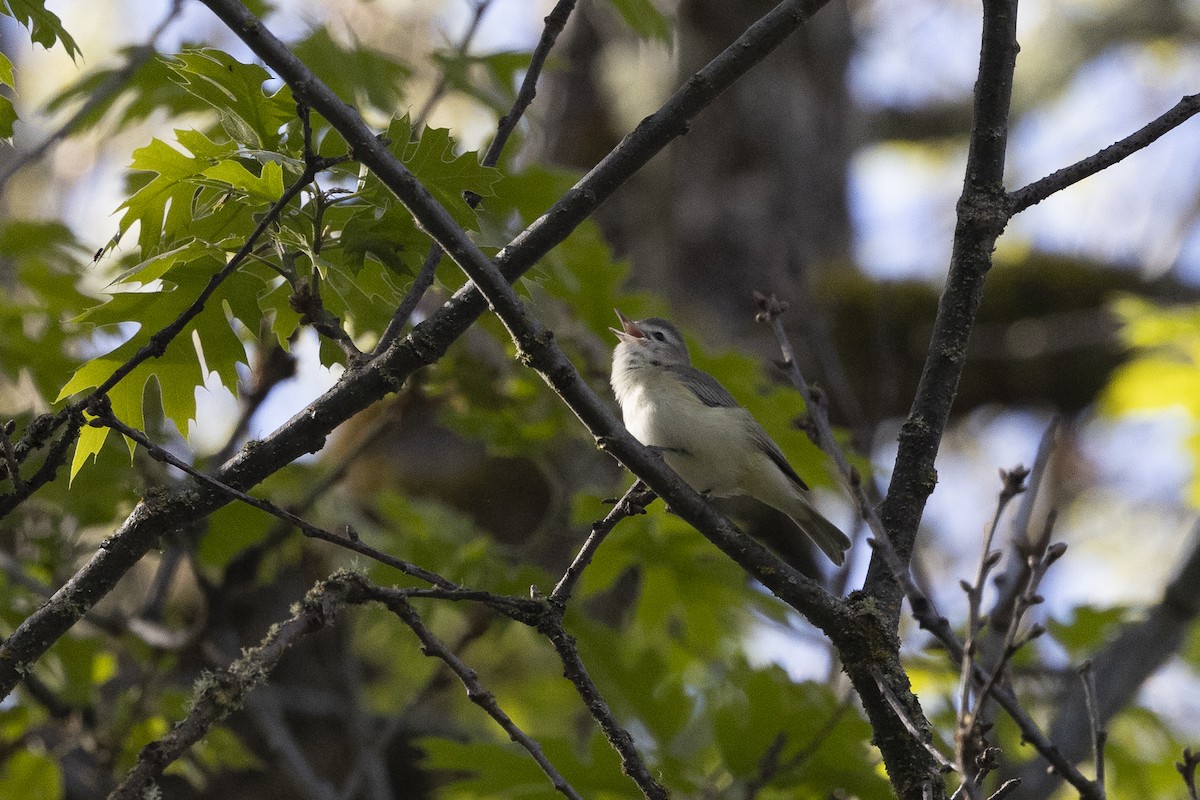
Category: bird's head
[652,340]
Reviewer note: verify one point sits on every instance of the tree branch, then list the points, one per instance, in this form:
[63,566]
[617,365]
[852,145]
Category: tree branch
[983,212]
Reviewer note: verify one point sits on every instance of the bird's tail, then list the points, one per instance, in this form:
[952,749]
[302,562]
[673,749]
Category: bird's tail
[827,536]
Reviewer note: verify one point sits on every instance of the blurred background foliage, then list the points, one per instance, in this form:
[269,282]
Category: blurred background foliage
[827,176]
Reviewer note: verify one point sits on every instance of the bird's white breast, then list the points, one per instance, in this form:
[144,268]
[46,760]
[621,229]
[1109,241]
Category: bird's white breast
[708,446]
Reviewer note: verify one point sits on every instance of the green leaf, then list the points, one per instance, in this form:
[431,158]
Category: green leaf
[36,338]
[498,88]
[644,18]
[250,116]
[433,161]
[87,446]
[222,750]
[390,236]
[1088,629]
[45,28]
[8,112]
[162,208]
[266,187]
[141,734]
[503,770]
[31,776]
[207,344]
[756,709]
[146,85]
[79,666]
[448,176]
[358,74]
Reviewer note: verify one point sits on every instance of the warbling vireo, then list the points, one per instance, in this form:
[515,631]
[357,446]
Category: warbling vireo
[713,443]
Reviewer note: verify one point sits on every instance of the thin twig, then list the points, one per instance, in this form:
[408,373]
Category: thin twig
[1006,788]
[1039,190]
[105,417]
[1028,597]
[408,304]
[477,694]
[968,738]
[633,502]
[555,21]
[1024,543]
[574,670]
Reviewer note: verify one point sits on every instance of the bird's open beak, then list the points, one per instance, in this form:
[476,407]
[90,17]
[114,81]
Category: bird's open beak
[631,332]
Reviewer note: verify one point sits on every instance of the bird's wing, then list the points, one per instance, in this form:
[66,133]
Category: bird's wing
[714,395]
[705,387]
[768,446]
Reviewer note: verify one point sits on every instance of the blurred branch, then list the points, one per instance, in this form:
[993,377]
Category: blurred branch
[1099,736]
[1039,190]
[220,694]
[1187,769]
[478,9]
[264,710]
[111,86]
[1134,653]
[770,764]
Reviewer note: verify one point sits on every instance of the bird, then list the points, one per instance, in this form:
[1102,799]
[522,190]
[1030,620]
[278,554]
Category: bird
[702,432]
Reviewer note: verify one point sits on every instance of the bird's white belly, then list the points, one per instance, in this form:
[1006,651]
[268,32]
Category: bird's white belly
[705,445]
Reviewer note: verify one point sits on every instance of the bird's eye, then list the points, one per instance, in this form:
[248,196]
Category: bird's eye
[658,335]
